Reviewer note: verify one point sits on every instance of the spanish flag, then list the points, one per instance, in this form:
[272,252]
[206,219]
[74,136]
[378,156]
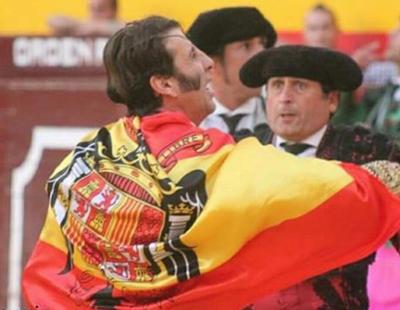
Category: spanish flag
[155,213]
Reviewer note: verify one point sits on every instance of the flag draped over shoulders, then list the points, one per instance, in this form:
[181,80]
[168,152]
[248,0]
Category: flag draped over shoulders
[157,213]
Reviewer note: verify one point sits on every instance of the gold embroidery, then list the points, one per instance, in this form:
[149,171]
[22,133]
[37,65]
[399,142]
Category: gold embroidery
[386,171]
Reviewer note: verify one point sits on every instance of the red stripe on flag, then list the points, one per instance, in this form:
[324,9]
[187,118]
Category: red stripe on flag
[298,249]
[46,287]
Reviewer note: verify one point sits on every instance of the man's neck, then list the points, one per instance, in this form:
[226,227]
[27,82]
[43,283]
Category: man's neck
[229,99]
[313,139]
[228,102]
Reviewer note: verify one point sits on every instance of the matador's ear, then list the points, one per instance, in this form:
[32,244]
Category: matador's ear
[163,85]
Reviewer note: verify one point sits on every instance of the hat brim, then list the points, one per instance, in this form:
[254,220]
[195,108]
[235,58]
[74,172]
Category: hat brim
[331,68]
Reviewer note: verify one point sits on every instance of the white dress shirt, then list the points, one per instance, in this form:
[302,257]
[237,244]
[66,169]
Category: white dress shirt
[313,140]
[253,110]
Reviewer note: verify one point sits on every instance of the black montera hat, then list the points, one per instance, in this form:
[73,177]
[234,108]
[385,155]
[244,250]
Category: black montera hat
[216,28]
[331,68]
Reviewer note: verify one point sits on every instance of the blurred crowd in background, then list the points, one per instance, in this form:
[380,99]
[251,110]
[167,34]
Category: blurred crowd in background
[375,103]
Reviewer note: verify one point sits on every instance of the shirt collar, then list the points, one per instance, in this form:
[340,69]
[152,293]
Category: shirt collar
[313,140]
[246,108]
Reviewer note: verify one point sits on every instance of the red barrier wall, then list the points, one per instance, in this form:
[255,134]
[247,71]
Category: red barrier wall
[58,99]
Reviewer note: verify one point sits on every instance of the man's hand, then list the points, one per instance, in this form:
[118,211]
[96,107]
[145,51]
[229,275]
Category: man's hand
[63,25]
[366,54]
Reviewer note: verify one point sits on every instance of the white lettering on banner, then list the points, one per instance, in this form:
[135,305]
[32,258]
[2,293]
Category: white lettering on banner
[58,52]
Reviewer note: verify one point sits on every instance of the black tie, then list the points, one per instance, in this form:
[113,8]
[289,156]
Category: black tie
[232,121]
[295,148]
